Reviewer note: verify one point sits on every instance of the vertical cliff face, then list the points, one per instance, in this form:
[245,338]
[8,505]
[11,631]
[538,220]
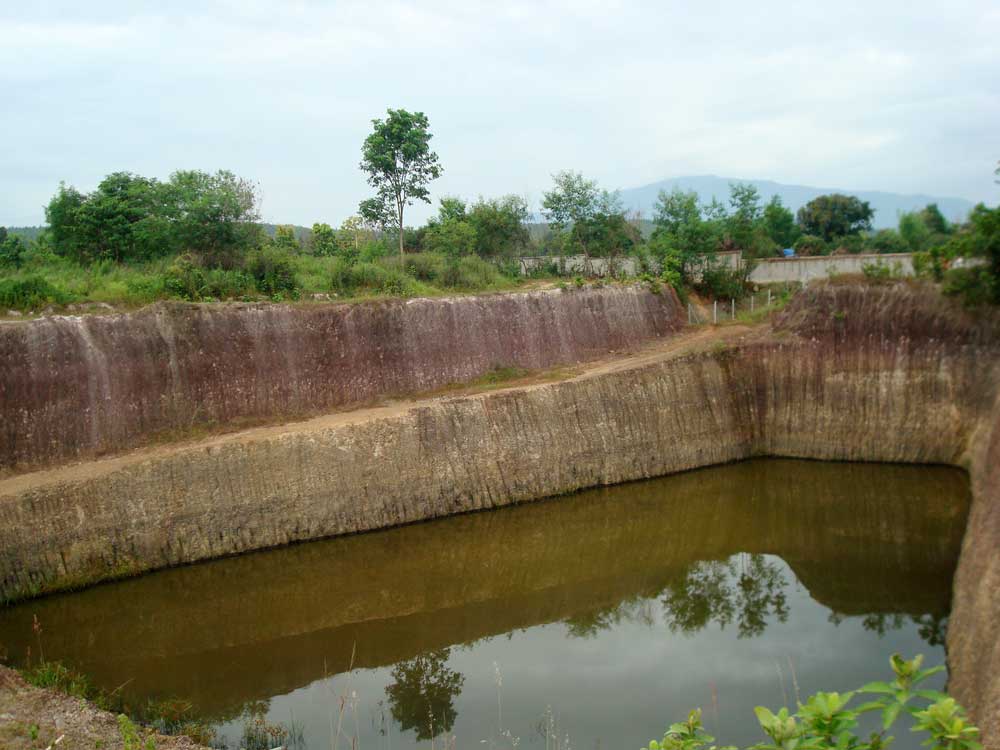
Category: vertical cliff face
[73,387]
[974,628]
[848,373]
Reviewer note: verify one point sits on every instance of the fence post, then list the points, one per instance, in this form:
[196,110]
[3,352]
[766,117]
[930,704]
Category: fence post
[689,313]
[751,303]
[768,297]
[715,312]
[733,303]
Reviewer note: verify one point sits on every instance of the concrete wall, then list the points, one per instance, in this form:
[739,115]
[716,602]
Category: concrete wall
[73,387]
[811,268]
[766,271]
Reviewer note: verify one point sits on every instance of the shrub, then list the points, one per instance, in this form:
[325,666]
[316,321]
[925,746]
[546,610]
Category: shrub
[974,285]
[718,280]
[809,244]
[184,278]
[273,272]
[30,293]
[424,266]
[826,721]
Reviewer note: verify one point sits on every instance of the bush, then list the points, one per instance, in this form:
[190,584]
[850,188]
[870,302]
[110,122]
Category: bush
[974,285]
[809,244]
[184,278]
[826,721]
[30,293]
[424,266]
[718,281]
[273,273]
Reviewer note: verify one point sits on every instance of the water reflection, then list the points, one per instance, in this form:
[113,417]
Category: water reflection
[736,552]
[422,694]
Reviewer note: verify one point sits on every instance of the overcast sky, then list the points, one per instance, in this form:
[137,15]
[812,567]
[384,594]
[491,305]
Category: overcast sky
[898,96]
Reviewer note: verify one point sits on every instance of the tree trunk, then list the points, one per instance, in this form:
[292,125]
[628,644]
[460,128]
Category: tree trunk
[402,262]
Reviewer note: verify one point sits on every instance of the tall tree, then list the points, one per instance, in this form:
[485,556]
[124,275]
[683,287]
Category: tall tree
[835,215]
[576,204]
[399,163]
[779,223]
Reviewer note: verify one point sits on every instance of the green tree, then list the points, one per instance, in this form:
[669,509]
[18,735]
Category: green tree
[887,241]
[217,216]
[500,226]
[285,239]
[934,219]
[980,239]
[833,216]
[682,239]
[12,249]
[779,223]
[745,215]
[451,237]
[399,163]
[580,211]
[913,231]
[323,240]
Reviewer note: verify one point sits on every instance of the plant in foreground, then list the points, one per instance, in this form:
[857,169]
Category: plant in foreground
[826,720]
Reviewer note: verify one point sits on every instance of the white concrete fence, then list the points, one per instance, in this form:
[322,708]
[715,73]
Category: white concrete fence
[765,271]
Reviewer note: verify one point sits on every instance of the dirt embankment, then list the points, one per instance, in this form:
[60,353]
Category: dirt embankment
[77,387]
[848,373]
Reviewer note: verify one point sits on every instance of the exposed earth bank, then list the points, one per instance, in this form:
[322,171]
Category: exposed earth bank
[887,373]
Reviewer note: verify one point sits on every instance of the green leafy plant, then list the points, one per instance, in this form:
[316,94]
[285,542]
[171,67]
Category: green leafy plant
[132,737]
[827,721]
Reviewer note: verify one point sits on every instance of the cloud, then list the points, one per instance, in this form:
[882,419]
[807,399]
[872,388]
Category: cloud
[891,95]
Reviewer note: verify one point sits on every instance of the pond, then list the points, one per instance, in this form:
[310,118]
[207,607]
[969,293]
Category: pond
[588,621]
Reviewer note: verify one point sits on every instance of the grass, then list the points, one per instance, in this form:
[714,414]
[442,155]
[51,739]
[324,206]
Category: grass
[45,280]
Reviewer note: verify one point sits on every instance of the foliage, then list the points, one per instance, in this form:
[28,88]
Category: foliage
[810,244]
[451,237]
[132,736]
[499,224]
[888,241]
[832,216]
[12,249]
[273,273]
[979,240]
[399,163]
[285,240]
[880,273]
[323,240]
[130,218]
[587,219]
[779,223]
[914,232]
[29,293]
[827,720]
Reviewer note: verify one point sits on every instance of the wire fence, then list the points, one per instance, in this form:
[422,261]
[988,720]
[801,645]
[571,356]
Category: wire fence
[721,310]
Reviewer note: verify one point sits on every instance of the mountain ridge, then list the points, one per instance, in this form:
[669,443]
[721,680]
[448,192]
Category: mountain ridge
[887,205]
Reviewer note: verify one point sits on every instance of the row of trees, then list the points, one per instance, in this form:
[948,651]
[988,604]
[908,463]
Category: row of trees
[130,218]
[214,219]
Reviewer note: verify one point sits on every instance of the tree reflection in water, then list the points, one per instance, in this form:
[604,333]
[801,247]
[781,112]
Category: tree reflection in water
[422,694]
[746,589]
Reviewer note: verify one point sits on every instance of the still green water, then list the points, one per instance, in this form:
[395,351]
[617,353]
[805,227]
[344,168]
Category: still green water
[606,614]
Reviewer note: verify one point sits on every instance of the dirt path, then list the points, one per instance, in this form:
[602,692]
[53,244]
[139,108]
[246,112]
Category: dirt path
[685,342]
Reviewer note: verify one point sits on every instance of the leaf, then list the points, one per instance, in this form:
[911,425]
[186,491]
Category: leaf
[931,695]
[870,706]
[878,687]
[890,714]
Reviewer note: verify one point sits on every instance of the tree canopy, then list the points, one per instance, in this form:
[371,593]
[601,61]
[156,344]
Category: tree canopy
[399,163]
[835,215]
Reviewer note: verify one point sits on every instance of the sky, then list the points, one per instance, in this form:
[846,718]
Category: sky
[895,96]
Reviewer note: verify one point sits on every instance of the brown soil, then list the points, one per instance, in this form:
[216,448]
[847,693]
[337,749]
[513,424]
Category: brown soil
[32,718]
[692,340]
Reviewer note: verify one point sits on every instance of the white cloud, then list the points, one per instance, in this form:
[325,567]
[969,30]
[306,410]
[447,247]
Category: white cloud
[892,95]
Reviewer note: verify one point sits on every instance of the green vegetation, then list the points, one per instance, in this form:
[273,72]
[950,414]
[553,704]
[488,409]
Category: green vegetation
[198,236]
[825,720]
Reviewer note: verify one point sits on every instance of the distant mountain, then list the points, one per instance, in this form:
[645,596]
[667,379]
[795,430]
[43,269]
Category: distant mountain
[887,206]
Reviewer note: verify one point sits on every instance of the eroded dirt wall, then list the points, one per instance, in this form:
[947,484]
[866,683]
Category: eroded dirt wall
[74,387]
